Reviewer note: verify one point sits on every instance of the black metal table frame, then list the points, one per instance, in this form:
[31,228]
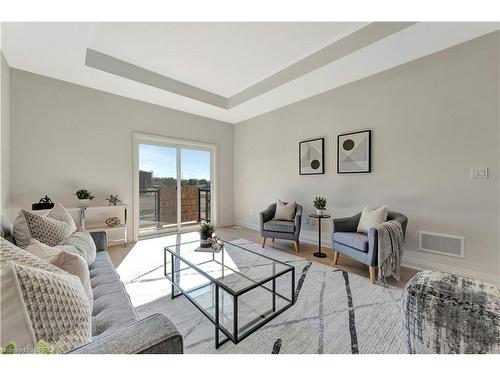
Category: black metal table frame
[235,337]
[319,253]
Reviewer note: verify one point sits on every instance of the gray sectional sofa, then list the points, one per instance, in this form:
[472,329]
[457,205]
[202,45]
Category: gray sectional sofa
[116,328]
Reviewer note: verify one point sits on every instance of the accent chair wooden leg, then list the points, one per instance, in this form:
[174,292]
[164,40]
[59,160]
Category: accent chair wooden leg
[372,275]
[336,255]
[264,242]
[296,243]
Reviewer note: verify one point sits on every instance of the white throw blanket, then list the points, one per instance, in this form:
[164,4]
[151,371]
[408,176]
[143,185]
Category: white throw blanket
[390,249]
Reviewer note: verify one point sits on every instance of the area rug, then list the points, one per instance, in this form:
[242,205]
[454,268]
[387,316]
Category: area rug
[336,312]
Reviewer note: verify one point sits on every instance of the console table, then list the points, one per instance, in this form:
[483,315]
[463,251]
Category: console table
[97,223]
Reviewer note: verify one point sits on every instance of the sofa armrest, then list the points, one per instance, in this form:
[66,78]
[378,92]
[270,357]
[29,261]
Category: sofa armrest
[155,334]
[101,240]
[346,224]
[298,222]
[372,256]
[266,215]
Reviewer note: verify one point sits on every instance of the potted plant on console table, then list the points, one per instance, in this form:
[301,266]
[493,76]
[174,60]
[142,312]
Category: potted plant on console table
[206,232]
[320,205]
[84,197]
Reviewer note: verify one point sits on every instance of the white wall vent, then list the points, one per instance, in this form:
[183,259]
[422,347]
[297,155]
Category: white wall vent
[444,244]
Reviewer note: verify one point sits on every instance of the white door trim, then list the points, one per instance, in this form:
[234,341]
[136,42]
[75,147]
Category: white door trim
[178,143]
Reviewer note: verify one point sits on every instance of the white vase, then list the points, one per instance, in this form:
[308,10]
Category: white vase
[83,203]
[319,212]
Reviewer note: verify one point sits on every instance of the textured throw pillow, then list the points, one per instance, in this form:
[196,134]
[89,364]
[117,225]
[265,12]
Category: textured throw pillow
[15,324]
[68,261]
[57,306]
[83,243]
[50,229]
[370,218]
[11,252]
[284,211]
[35,291]
[14,319]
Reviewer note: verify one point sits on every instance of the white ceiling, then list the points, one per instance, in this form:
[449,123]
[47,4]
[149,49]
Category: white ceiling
[222,58]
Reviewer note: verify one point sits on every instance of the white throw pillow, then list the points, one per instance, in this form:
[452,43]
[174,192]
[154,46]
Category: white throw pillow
[370,218]
[15,322]
[51,228]
[39,301]
[284,211]
[66,260]
[83,245]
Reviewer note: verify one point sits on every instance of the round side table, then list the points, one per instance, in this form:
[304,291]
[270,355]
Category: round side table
[319,254]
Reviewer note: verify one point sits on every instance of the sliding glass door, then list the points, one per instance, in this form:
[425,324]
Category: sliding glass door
[195,190]
[174,187]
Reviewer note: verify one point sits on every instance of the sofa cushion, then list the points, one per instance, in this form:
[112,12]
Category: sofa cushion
[112,306]
[355,240]
[112,311]
[280,226]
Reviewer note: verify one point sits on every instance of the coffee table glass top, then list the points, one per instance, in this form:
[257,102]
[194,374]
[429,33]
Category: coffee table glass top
[234,268]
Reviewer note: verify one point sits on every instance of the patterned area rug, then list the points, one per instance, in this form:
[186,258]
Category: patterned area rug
[335,311]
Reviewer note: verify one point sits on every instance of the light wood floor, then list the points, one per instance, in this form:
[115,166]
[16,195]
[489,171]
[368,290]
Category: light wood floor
[118,253]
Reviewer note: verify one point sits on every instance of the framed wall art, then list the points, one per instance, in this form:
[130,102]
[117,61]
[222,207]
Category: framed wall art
[312,156]
[354,152]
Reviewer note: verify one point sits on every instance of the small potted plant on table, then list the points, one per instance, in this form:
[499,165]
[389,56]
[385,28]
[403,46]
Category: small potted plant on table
[320,205]
[84,197]
[206,232]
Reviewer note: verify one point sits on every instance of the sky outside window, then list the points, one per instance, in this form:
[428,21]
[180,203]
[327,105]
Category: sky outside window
[162,161]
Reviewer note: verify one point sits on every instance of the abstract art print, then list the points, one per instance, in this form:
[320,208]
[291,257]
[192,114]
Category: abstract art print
[311,156]
[354,152]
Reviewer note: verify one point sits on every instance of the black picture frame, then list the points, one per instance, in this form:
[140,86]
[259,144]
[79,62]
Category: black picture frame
[321,169]
[369,169]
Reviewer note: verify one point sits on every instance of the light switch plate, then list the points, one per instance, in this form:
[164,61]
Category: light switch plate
[479,173]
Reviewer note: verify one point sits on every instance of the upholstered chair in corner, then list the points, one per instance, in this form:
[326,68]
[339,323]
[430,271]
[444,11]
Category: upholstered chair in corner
[280,229]
[361,247]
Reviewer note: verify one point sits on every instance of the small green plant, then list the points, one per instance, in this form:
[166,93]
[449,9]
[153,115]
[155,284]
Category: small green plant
[319,203]
[84,194]
[206,230]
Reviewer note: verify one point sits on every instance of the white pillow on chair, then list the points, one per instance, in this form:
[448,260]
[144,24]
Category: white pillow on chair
[284,211]
[371,218]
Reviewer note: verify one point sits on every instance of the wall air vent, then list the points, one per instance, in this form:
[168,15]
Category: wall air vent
[444,244]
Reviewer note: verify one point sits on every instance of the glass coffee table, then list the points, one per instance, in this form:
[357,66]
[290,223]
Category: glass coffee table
[237,289]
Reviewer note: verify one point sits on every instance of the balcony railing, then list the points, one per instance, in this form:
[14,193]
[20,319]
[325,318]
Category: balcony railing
[158,206]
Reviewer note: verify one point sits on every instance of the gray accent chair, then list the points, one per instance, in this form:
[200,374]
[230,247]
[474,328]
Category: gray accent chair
[116,327]
[280,229]
[361,247]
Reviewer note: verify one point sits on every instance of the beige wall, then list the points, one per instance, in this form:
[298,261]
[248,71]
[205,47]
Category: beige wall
[66,136]
[4,136]
[432,119]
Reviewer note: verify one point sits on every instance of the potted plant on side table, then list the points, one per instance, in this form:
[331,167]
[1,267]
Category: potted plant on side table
[84,197]
[320,205]
[206,232]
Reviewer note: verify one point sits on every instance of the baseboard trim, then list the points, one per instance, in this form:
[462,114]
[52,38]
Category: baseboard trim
[407,261]
[419,264]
